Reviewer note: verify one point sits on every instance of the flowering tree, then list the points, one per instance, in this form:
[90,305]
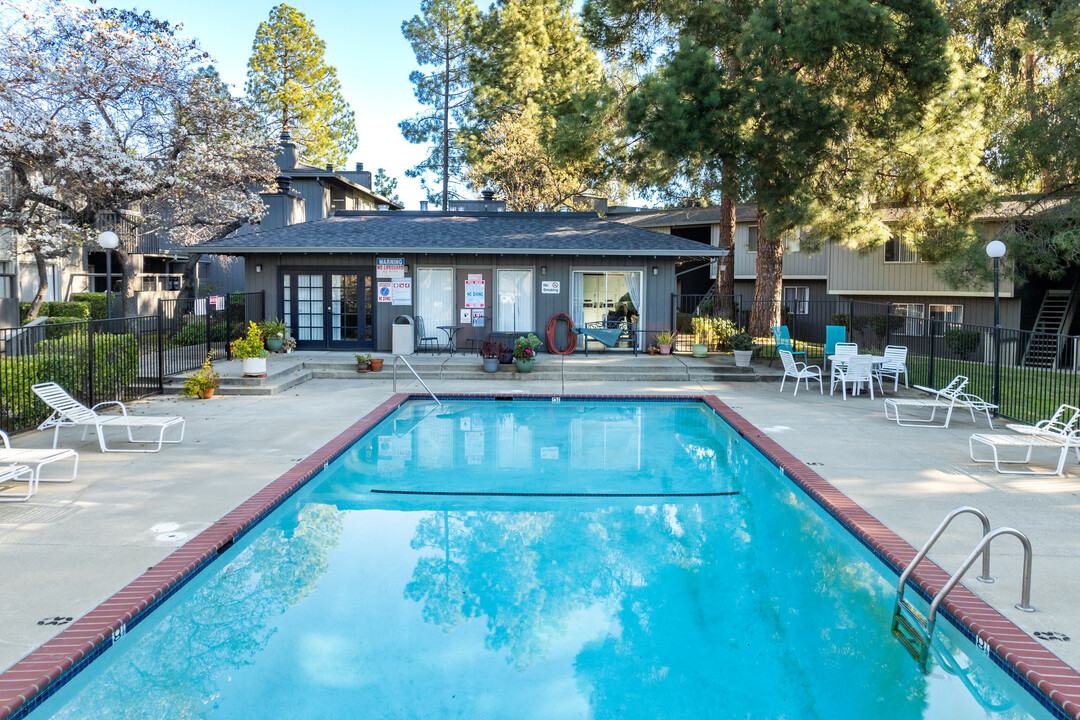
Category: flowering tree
[104,110]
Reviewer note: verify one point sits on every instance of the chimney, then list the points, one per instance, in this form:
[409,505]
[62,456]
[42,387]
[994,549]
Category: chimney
[359,167]
[287,155]
[487,195]
[423,206]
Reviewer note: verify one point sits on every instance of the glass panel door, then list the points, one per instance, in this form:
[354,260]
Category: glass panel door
[344,310]
[330,309]
[309,308]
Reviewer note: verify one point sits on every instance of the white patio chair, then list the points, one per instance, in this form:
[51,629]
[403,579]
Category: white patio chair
[37,459]
[18,473]
[895,364]
[855,370]
[799,371]
[69,412]
[842,351]
[949,398]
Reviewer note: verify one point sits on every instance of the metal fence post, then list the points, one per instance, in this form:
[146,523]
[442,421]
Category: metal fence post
[674,313]
[888,323]
[90,362]
[161,350]
[930,370]
[228,326]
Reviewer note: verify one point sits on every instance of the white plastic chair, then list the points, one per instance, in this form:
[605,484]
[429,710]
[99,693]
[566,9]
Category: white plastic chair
[799,371]
[895,364]
[855,370]
[69,412]
[843,351]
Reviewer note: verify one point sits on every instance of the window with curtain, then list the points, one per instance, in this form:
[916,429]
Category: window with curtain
[751,239]
[913,312]
[514,298]
[434,300]
[898,249]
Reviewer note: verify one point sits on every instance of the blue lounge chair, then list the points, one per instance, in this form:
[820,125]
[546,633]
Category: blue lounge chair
[782,338]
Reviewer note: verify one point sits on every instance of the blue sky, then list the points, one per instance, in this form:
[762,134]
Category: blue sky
[363,41]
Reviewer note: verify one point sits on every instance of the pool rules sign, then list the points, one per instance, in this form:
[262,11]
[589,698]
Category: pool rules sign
[474,292]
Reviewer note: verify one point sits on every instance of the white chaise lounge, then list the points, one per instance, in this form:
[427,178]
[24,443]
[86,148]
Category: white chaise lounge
[69,412]
[949,398]
[1058,433]
[38,458]
[19,473]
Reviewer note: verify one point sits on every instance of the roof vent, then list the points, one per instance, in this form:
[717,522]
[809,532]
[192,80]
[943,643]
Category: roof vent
[284,183]
[487,195]
[423,206]
[329,167]
[359,167]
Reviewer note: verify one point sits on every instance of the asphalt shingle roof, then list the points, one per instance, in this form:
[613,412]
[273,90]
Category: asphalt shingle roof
[436,232]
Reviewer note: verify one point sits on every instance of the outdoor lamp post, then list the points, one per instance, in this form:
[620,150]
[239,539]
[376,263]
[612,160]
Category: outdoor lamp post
[996,250]
[108,241]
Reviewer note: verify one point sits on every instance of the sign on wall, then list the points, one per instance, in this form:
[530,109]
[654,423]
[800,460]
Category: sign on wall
[478,318]
[401,292]
[383,292]
[474,293]
[390,267]
[550,287]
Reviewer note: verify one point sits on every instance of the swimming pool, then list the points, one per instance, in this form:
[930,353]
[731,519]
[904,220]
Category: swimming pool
[591,559]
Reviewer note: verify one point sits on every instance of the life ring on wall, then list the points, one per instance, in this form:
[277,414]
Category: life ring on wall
[571,336]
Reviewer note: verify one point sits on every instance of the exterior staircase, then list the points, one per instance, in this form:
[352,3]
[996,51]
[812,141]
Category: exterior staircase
[1055,317]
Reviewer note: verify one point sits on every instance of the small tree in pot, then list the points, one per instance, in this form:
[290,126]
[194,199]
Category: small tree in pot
[742,346]
[491,351]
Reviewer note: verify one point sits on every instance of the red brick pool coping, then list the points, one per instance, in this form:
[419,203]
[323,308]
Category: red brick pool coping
[23,684]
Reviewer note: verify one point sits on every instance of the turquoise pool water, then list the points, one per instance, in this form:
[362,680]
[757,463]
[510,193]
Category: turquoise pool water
[595,560]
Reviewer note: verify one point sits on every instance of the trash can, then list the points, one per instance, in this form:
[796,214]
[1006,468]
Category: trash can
[404,336]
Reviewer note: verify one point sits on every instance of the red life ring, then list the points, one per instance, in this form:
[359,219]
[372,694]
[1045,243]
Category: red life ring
[571,336]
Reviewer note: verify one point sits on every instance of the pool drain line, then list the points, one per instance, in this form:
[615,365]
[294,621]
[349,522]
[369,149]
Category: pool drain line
[550,494]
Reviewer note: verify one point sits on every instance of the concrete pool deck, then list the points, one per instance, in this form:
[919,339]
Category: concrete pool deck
[73,545]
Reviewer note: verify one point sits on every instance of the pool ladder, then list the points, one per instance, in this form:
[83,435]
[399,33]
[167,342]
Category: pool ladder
[914,632]
[415,374]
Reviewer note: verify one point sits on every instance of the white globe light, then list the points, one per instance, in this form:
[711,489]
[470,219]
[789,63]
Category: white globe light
[995,249]
[108,240]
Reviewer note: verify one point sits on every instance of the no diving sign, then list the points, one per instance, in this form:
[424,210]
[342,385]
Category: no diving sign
[384,292]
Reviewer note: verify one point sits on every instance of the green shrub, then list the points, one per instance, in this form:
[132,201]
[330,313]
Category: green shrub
[96,301]
[712,331]
[962,343]
[839,319]
[21,408]
[684,323]
[116,364]
[58,327]
[193,332]
[73,310]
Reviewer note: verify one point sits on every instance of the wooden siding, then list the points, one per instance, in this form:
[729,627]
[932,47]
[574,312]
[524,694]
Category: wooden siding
[656,299]
[796,265]
[854,273]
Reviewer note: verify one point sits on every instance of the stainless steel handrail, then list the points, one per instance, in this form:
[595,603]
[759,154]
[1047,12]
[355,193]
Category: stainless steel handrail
[985,577]
[1025,589]
[415,374]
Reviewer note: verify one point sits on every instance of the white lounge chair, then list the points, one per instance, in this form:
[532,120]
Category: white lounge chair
[949,398]
[69,412]
[856,370]
[1059,433]
[799,371]
[38,458]
[19,473]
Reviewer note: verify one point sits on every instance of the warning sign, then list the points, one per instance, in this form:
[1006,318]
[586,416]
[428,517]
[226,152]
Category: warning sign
[474,293]
[383,292]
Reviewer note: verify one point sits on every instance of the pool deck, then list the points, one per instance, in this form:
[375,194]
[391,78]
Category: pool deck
[73,545]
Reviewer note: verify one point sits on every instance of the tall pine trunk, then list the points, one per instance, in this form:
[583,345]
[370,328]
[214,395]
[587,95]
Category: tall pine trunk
[446,125]
[767,288]
[725,271]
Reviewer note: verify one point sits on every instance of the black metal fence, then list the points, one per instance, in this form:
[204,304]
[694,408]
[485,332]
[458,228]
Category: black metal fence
[119,359]
[1027,374]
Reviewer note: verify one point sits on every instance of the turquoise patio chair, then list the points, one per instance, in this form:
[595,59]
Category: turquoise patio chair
[782,338]
[834,334]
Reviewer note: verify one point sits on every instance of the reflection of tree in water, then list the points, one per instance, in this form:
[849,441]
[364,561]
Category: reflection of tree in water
[712,608]
[175,670]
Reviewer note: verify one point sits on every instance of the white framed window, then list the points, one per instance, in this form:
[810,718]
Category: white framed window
[797,299]
[945,314]
[913,312]
[751,239]
[792,240]
[434,300]
[899,249]
[514,301]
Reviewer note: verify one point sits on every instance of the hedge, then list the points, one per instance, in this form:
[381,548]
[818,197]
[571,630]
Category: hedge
[98,306]
[75,310]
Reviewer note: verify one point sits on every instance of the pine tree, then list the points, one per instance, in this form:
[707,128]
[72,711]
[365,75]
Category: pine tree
[438,38]
[386,186]
[811,81]
[288,78]
[535,78]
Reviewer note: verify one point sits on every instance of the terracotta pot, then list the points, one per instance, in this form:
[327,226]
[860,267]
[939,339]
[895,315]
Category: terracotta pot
[665,349]
[652,351]
[376,364]
[207,393]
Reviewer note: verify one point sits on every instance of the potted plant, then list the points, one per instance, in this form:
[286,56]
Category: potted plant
[274,331]
[742,346]
[203,382]
[702,336]
[663,341]
[288,344]
[376,364]
[250,349]
[525,352]
[491,351]
[363,362]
